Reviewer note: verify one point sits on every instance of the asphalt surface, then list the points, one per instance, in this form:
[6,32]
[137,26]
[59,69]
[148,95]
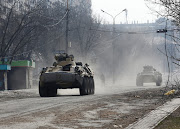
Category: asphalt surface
[29,105]
[11,108]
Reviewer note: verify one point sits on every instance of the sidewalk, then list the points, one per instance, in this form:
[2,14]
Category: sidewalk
[153,118]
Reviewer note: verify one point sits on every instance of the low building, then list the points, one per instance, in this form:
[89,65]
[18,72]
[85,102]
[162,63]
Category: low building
[21,75]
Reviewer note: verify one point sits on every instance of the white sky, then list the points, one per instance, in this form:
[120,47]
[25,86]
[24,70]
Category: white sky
[137,10]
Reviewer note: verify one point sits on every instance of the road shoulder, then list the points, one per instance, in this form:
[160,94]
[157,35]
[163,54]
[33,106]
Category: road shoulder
[152,119]
[104,111]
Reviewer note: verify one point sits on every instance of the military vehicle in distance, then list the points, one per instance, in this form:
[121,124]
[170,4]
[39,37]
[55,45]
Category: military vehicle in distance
[149,75]
[66,73]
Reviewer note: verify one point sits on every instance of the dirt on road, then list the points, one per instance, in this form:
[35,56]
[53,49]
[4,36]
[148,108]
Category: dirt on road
[18,94]
[110,111]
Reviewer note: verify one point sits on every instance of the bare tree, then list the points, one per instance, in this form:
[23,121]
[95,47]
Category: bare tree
[169,8]
[171,13]
[40,30]
[26,29]
[84,30]
[18,29]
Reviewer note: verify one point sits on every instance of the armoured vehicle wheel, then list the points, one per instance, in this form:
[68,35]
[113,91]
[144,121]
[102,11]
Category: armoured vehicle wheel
[83,89]
[42,89]
[92,85]
[87,86]
[52,91]
[139,82]
[46,91]
[158,83]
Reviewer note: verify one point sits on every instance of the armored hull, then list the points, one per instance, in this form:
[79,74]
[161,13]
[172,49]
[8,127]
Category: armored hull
[64,74]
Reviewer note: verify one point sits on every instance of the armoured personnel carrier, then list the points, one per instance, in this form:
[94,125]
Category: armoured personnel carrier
[66,73]
[149,75]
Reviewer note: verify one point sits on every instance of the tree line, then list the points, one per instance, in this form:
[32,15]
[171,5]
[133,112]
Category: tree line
[36,31]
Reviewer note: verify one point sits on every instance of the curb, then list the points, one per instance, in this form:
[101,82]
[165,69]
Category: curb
[152,119]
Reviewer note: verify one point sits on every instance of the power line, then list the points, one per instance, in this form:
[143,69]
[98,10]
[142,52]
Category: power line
[41,15]
[57,22]
[128,32]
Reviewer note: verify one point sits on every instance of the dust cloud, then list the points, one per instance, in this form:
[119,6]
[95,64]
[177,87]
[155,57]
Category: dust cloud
[131,53]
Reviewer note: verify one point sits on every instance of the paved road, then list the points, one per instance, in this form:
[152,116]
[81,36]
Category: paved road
[30,105]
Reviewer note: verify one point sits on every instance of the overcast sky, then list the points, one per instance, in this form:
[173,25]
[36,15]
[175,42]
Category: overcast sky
[137,10]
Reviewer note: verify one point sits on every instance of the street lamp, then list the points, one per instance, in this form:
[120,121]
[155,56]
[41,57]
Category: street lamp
[67,26]
[113,42]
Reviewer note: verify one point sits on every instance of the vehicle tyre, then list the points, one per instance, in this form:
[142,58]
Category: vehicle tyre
[83,89]
[43,91]
[91,85]
[93,89]
[158,83]
[52,91]
[139,82]
[88,86]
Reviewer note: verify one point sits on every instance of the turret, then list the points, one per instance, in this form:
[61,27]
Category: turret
[63,59]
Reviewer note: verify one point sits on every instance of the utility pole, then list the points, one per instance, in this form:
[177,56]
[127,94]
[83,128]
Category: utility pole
[113,42]
[113,45]
[67,26]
